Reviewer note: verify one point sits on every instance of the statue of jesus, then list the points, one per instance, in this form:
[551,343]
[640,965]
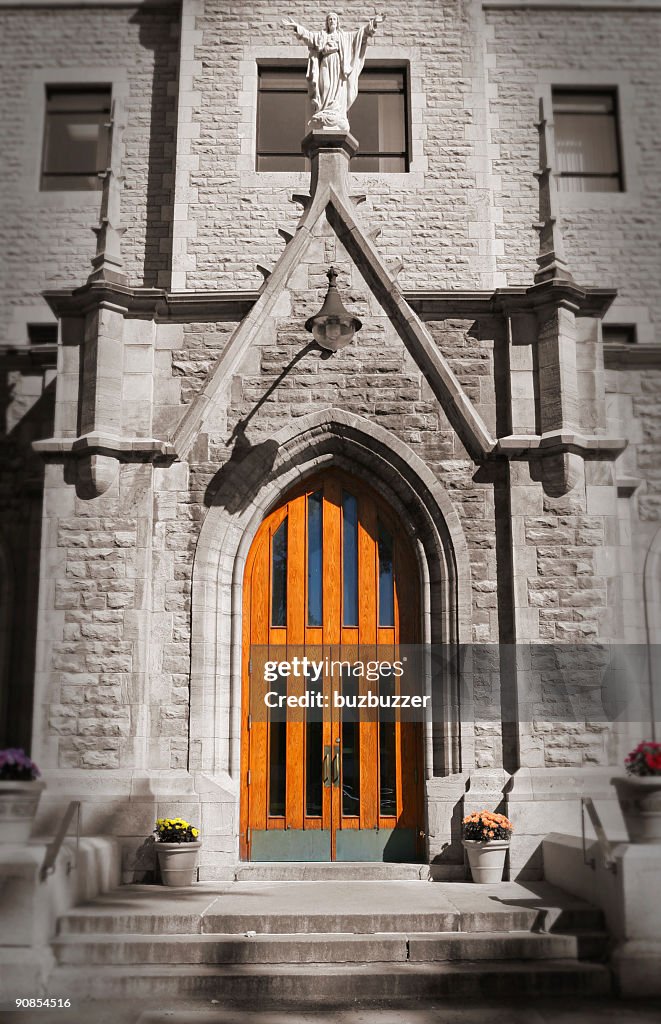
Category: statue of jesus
[334,66]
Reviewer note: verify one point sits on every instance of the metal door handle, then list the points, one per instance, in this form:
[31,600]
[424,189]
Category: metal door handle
[326,768]
[336,769]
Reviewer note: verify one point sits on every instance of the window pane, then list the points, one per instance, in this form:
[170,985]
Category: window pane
[381,81]
[315,558]
[313,766]
[76,139]
[349,559]
[586,144]
[386,579]
[285,78]
[589,184]
[377,121]
[585,102]
[350,747]
[278,757]
[282,122]
[279,576]
[387,751]
[74,99]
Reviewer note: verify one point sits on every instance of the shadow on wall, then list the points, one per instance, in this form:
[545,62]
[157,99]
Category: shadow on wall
[233,486]
[155,35]
[21,496]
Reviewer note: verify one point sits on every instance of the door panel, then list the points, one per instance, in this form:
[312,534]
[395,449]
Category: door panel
[330,567]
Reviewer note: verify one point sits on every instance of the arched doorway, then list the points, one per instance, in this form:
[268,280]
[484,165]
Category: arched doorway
[331,565]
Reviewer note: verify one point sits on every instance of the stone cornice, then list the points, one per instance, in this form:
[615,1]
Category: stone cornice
[625,357]
[621,6]
[558,442]
[125,449]
[233,306]
[22,5]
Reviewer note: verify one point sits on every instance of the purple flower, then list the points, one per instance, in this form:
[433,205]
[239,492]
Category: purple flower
[15,765]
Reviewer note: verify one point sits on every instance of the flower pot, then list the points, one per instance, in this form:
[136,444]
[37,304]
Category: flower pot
[178,862]
[486,858]
[640,800]
[18,809]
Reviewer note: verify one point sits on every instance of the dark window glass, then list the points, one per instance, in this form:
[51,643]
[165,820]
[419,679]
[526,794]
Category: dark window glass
[279,576]
[278,758]
[378,120]
[619,334]
[42,334]
[587,141]
[387,751]
[349,560]
[313,766]
[315,558]
[350,747]
[386,579]
[76,138]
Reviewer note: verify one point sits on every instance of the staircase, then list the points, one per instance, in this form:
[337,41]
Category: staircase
[331,942]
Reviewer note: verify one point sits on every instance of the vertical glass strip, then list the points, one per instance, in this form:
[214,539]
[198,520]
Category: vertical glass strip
[278,757]
[386,578]
[387,751]
[279,576]
[350,747]
[313,767]
[349,559]
[315,558]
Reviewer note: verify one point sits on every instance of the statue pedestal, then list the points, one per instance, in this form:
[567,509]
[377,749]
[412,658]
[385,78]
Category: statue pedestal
[329,152]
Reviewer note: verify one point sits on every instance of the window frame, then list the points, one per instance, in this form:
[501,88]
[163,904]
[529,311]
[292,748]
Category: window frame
[73,88]
[375,65]
[581,81]
[557,91]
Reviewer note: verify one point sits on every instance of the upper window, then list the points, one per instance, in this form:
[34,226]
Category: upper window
[378,120]
[75,138]
[619,334]
[587,140]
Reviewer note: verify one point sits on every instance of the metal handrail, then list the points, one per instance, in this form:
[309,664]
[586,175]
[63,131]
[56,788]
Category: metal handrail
[54,848]
[605,845]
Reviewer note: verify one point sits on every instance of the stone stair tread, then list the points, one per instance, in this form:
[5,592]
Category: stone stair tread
[227,970]
[112,938]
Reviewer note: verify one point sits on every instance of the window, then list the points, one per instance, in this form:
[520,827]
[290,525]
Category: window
[587,140]
[42,334]
[75,138]
[378,120]
[619,334]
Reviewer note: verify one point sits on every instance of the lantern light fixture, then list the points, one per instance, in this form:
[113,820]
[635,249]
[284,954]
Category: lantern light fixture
[333,327]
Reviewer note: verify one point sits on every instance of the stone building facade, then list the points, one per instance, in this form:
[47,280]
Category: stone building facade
[518,449]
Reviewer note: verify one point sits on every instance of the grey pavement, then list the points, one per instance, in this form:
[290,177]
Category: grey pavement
[547,1011]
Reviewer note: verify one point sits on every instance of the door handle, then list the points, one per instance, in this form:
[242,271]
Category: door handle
[336,769]
[326,768]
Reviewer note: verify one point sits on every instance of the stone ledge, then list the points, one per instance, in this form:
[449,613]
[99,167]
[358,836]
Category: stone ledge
[126,449]
[517,446]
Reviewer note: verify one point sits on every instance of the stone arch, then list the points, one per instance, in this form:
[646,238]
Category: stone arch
[248,487]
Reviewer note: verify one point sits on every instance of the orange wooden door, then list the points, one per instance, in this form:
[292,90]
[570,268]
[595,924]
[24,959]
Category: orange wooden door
[330,570]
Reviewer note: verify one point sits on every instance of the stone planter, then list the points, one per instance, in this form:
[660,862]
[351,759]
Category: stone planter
[18,809]
[486,858]
[178,862]
[640,800]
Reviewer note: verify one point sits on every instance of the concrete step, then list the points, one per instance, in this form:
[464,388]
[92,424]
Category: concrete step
[338,871]
[128,949]
[324,983]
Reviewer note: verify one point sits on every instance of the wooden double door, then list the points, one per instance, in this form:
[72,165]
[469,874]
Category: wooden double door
[330,573]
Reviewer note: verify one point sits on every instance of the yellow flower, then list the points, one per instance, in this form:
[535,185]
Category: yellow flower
[195,832]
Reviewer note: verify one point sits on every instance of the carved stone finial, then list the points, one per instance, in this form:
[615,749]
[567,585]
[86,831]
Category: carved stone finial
[551,260]
[107,262]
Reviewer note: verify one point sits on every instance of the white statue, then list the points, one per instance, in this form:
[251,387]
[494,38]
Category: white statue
[336,60]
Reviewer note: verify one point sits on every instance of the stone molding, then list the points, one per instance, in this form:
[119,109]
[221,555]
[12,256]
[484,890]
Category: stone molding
[245,495]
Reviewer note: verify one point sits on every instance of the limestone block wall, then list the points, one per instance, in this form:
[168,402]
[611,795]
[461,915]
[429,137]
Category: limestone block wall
[47,239]
[435,218]
[611,238]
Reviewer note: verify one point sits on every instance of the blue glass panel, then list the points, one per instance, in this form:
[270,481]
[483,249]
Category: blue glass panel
[350,748]
[350,559]
[387,751]
[315,558]
[386,579]
[279,576]
[278,756]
